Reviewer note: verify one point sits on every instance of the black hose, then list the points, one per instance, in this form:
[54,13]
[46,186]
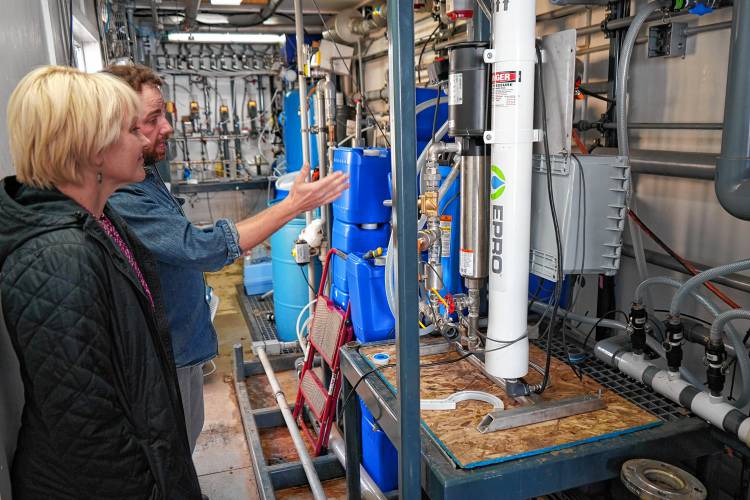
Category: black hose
[558,240]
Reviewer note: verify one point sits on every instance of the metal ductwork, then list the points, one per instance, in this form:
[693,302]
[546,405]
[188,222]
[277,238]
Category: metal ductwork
[733,165]
[350,26]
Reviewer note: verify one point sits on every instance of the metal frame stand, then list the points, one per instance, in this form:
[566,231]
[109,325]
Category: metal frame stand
[279,476]
[402,93]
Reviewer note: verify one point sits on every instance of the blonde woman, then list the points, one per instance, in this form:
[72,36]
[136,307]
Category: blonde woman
[102,417]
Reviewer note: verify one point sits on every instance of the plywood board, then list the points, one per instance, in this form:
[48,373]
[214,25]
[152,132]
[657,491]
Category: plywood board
[456,430]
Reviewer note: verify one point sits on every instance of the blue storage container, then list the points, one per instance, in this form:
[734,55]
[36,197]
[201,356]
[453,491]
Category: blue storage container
[258,277]
[368,171]
[339,298]
[354,238]
[290,293]
[379,456]
[542,290]
[425,118]
[292,124]
[371,317]
[450,225]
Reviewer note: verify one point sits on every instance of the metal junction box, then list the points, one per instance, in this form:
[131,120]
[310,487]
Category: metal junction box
[591,202]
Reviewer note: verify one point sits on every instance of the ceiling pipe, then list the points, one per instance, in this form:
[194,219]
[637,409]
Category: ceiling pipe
[733,166]
[192,7]
[669,163]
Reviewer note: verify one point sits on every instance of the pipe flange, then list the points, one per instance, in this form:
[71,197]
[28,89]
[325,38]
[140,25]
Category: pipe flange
[655,480]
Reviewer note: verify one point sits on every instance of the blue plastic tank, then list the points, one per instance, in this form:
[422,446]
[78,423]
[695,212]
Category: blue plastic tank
[371,318]
[354,238]
[368,171]
[339,298]
[289,280]
[425,118]
[257,277]
[542,290]
[379,456]
[450,225]
[292,124]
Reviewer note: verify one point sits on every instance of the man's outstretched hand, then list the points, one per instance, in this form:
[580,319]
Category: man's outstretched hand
[306,196]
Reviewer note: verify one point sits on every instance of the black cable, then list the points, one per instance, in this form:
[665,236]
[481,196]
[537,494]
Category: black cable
[694,318]
[558,238]
[435,113]
[421,52]
[307,280]
[604,316]
[595,96]
[447,203]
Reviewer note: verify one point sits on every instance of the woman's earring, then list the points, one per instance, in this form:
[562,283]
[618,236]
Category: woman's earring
[99,177]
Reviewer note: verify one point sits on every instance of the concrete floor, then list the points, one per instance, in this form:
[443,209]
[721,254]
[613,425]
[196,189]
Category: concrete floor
[221,457]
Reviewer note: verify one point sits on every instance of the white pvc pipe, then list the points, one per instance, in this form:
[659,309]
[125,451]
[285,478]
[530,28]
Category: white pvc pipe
[299,443]
[513,56]
[709,408]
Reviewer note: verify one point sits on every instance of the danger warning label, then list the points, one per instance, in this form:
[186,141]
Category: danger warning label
[505,86]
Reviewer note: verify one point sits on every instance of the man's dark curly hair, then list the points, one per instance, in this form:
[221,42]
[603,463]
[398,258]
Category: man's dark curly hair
[135,75]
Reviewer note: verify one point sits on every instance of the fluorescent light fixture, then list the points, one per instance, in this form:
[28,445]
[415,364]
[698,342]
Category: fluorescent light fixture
[226,38]
[226,2]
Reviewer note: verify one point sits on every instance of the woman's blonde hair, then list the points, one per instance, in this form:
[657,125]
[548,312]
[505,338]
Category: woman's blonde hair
[60,117]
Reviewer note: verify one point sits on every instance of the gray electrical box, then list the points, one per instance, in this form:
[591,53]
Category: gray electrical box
[591,202]
[667,40]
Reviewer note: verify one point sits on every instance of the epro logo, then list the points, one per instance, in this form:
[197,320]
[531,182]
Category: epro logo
[497,183]
[506,76]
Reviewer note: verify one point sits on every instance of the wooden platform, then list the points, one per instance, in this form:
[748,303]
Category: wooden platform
[456,430]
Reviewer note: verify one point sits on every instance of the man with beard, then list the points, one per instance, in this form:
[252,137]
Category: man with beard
[184,252]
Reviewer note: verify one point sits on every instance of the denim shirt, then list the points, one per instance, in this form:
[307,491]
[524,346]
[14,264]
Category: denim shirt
[183,253]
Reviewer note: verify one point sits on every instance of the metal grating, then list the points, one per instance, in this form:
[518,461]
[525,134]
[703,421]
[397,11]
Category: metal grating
[315,395]
[623,385]
[326,325]
[257,313]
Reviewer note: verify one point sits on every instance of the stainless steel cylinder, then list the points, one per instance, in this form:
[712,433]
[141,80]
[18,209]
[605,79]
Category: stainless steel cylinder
[475,196]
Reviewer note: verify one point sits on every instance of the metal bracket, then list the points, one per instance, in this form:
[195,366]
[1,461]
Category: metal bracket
[540,412]
[449,403]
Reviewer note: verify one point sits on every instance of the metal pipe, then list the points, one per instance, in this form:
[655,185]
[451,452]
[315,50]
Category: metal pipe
[370,490]
[475,216]
[733,166]
[320,126]
[561,12]
[669,126]
[261,28]
[299,443]
[669,163]
[691,31]
[734,281]
[304,122]
[624,23]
